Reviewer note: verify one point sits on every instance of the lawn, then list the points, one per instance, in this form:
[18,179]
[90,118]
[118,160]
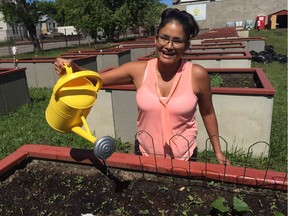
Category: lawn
[28,124]
[277,74]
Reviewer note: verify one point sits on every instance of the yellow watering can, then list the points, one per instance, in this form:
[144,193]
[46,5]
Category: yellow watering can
[72,99]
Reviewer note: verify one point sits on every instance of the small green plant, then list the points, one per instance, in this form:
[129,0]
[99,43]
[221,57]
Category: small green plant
[121,211]
[216,80]
[220,204]
[163,188]
[79,182]
[163,212]
[122,146]
[195,201]
[222,207]
[278,214]
[274,209]
[144,212]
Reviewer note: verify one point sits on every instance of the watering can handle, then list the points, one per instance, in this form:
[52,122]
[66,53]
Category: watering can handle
[68,69]
[71,76]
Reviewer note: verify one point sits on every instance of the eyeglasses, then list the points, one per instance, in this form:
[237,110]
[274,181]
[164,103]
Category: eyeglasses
[176,42]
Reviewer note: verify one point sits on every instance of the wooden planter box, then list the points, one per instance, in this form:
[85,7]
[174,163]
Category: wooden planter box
[252,43]
[40,71]
[61,180]
[244,114]
[227,59]
[105,58]
[230,174]
[215,48]
[13,89]
[138,50]
[138,42]
[228,43]
[71,181]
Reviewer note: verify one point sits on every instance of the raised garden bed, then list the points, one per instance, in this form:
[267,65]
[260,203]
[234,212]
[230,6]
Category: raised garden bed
[40,71]
[13,89]
[242,105]
[251,43]
[210,59]
[215,48]
[46,180]
[112,57]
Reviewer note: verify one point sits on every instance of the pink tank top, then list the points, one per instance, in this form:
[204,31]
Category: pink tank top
[167,126]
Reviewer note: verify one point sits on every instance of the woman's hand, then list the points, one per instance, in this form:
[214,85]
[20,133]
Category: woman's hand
[222,159]
[59,65]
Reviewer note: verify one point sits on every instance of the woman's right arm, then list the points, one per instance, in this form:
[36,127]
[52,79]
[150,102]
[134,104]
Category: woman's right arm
[129,73]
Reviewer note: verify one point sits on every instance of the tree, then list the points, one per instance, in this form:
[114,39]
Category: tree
[22,12]
[47,8]
[126,13]
[85,16]
[113,16]
[151,17]
[60,16]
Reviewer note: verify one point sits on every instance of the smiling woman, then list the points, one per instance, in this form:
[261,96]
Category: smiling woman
[168,91]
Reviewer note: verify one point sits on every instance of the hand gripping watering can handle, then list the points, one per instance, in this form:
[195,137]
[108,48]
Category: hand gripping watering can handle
[71,76]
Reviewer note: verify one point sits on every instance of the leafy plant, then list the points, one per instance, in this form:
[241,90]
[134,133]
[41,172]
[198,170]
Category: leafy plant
[220,204]
[239,206]
[278,214]
[122,146]
[144,212]
[274,209]
[195,201]
[216,80]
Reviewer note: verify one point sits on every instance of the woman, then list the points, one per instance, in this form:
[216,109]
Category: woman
[168,91]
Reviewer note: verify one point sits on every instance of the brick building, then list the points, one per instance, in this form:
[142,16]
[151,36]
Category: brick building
[220,13]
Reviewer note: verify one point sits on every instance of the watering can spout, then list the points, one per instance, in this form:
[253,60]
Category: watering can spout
[103,147]
[71,101]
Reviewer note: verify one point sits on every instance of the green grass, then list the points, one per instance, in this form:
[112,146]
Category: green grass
[277,75]
[28,124]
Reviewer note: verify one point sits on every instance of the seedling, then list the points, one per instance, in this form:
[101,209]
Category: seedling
[222,207]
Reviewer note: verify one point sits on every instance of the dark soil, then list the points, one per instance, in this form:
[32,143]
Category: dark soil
[53,188]
[237,80]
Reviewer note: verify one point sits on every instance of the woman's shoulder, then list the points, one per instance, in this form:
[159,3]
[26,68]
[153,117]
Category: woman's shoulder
[135,69]
[138,65]
[198,70]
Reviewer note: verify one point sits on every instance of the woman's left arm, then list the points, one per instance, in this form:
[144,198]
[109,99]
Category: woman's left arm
[202,88]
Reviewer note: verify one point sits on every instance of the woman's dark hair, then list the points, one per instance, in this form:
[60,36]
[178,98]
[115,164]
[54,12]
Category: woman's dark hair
[188,22]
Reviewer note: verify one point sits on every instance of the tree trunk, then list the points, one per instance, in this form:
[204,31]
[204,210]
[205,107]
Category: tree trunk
[35,40]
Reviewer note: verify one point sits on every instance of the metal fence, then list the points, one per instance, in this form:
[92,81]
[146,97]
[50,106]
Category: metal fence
[245,162]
